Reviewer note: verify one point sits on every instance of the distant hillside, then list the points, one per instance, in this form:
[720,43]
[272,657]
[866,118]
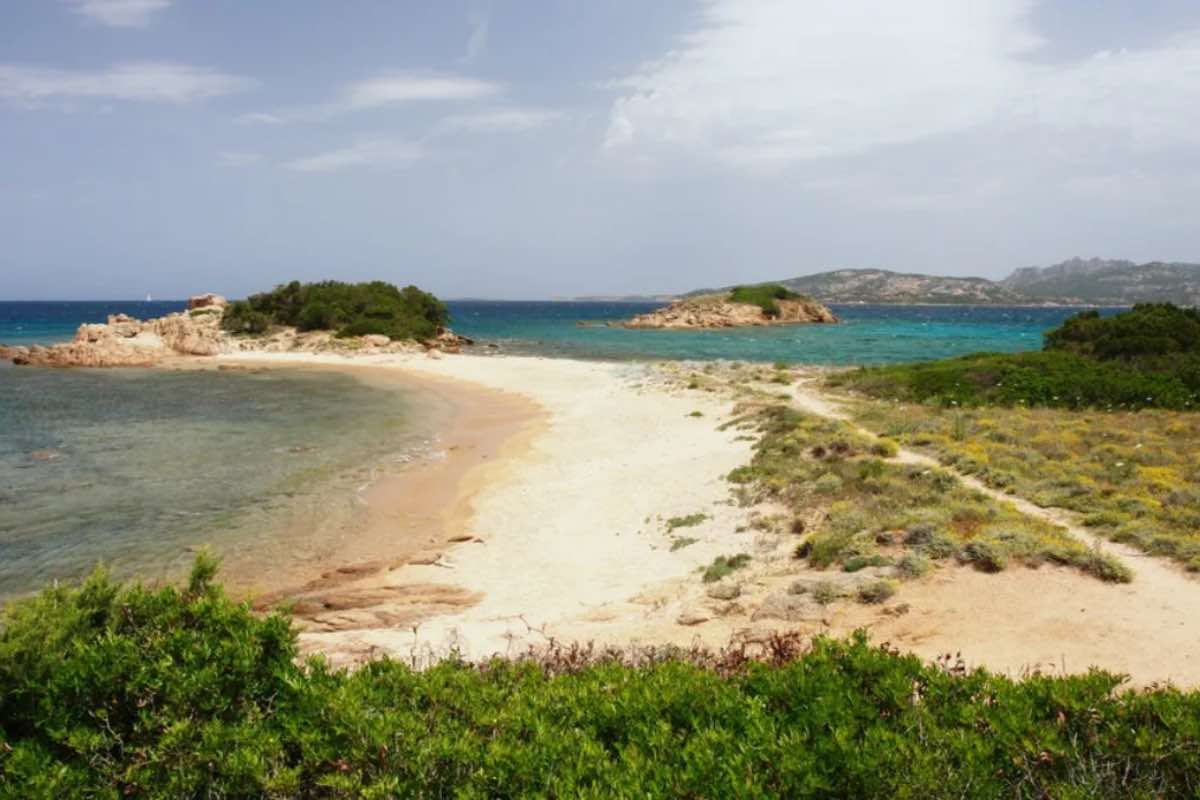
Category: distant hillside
[884,286]
[1078,281]
[1109,282]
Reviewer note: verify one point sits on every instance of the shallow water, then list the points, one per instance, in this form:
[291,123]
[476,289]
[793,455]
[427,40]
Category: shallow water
[138,468]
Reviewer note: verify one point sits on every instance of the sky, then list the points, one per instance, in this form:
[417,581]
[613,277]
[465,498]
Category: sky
[529,149]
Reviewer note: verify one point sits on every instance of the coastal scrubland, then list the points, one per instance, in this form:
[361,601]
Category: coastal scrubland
[348,309]
[854,507]
[1101,422]
[1132,476]
[111,690]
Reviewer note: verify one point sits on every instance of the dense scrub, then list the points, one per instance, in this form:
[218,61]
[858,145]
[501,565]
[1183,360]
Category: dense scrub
[110,692]
[348,309]
[1148,357]
[1132,475]
[764,296]
[856,509]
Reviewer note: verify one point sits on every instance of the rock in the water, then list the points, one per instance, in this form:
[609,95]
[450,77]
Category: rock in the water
[789,608]
[717,311]
[724,591]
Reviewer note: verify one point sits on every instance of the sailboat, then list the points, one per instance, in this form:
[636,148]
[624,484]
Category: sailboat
[149,299]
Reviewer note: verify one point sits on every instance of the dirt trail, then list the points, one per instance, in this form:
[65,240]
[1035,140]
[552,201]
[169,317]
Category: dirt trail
[1050,619]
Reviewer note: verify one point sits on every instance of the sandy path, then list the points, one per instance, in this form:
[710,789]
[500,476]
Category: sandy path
[1053,619]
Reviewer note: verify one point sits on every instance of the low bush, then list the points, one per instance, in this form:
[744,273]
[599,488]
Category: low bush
[725,565]
[764,296]
[109,691]
[877,592]
[689,521]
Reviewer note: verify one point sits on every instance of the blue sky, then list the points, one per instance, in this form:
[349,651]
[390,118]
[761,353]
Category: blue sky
[534,149]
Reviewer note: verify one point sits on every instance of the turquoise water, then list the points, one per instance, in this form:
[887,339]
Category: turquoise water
[867,335]
[138,468]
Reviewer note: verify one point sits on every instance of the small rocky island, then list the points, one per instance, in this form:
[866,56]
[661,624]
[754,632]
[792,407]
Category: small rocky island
[742,306]
[362,318]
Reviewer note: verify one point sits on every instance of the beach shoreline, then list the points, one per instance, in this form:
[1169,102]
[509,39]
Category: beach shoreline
[565,535]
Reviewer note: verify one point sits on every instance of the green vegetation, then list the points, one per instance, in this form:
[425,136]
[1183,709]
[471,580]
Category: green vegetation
[680,542]
[111,692]
[764,296]
[874,512]
[1148,357]
[690,521]
[723,566]
[876,592]
[347,309]
[1133,476]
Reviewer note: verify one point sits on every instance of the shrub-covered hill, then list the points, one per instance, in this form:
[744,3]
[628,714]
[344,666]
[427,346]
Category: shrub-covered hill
[111,691]
[1147,357]
[347,309]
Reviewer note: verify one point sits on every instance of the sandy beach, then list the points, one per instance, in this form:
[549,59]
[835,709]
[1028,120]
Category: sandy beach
[548,521]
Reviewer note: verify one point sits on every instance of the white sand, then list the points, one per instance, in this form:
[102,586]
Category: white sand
[575,530]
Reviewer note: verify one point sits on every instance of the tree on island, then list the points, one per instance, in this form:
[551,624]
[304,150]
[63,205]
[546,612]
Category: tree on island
[347,309]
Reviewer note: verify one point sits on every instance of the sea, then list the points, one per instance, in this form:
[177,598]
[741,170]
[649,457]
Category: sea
[138,469]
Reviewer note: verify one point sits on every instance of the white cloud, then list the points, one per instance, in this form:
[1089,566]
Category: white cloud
[121,13]
[477,41]
[500,120]
[151,82]
[408,87]
[382,153]
[237,158]
[259,118]
[767,82]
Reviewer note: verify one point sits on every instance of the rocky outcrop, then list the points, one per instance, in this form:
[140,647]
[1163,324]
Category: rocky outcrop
[718,312]
[209,300]
[127,342]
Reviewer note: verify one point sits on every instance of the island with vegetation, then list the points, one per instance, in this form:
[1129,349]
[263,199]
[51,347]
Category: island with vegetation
[742,306]
[329,315]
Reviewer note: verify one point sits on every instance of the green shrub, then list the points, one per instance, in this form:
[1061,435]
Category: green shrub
[689,521]
[725,565]
[984,556]
[240,318]
[764,296]
[856,563]
[825,593]
[347,309]
[680,542]
[875,593]
[913,565]
[110,691]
